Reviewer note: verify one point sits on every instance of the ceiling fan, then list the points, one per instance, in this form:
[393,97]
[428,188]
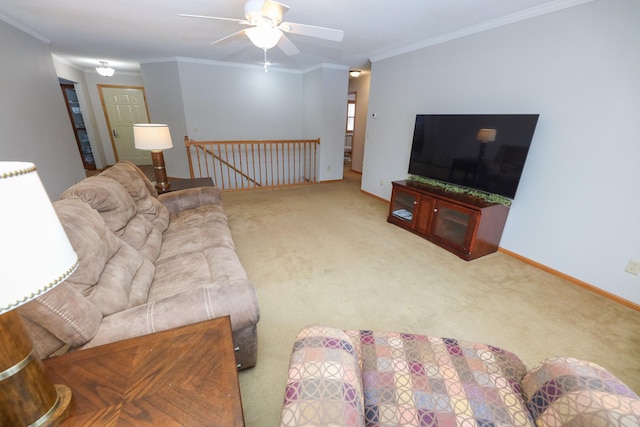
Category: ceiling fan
[266,29]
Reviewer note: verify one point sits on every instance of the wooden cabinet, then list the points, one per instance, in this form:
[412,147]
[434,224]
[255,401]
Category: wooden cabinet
[77,122]
[464,225]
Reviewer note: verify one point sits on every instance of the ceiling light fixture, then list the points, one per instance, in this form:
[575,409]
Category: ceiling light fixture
[354,73]
[104,70]
[264,35]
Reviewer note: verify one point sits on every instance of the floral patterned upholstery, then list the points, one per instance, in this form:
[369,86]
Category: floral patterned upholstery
[366,378]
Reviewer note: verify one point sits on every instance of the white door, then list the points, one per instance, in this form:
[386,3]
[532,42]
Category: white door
[124,106]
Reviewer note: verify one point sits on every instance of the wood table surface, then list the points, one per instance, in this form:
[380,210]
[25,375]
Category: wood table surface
[180,377]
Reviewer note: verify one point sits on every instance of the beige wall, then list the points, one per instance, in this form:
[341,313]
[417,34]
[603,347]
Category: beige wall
[576,208]
[34,123]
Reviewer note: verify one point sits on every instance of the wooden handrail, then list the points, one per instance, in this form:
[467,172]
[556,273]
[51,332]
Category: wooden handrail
[247,164]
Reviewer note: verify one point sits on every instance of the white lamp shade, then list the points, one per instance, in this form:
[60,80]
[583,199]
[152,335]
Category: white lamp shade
[151,136]
[486,135]
[264,36]
[35,251]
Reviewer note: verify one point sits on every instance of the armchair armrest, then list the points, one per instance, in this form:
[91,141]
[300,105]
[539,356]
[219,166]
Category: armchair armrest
[190,198]
[324,386]
[565,391]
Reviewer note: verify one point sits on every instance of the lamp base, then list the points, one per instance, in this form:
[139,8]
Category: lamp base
[27,396]
[162,183]
[60,410]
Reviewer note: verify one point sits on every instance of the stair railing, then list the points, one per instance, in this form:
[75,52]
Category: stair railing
[242,165]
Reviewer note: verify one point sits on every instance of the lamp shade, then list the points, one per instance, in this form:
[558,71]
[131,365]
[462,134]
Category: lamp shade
[486,135]
[151,136]
[35,252]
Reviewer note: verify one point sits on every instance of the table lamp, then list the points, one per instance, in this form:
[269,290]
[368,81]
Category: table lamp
[154,137]
[485,136]
[36,256]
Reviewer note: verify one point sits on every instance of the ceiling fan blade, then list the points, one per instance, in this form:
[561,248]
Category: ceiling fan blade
[287,46]
[237,33]
[274,11]
[312,31]
[186,15]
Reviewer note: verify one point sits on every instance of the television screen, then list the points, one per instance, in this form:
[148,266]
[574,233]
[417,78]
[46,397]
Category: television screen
[486,152]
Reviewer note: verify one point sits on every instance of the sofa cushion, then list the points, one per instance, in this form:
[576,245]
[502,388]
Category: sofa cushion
[108,197]
[120,213]
[564,391]
[416,380]
[143,194]
[195,230]
[212,266]
[125,168]
[111,274]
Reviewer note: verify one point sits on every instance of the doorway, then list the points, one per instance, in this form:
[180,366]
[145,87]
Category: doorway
[123,107]
[350,128]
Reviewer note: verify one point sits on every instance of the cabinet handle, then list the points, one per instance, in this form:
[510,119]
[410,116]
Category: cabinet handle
[435,210]
[415,202]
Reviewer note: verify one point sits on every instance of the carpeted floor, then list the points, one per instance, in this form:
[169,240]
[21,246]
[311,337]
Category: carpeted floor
[324,254]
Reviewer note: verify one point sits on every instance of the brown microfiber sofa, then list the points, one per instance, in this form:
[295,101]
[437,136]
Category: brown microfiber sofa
[146,263]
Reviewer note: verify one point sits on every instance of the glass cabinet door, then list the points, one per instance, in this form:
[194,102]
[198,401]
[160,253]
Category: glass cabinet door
[453,225]
[403,205]
[77,122]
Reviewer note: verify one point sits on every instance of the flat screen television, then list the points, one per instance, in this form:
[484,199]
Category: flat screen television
[486,152]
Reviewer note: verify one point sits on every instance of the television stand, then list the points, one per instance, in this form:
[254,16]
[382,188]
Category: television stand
[464,225]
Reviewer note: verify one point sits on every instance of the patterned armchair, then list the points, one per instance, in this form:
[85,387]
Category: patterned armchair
[366,378]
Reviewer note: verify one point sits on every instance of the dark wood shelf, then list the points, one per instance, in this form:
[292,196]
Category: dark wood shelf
[467,226]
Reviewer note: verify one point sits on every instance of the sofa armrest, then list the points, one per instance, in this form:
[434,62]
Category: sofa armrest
[190,198]
[566,391]
[190,306]
[324,386]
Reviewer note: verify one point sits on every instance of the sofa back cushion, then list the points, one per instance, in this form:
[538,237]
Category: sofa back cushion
[564,391]
[111,274]
[145,197]
[120,212]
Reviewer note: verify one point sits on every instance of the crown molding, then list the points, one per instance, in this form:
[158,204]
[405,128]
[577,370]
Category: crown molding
[20,26]
[183,59]
[533,12]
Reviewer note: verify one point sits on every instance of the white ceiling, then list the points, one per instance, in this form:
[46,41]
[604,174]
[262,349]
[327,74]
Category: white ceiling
[129,32]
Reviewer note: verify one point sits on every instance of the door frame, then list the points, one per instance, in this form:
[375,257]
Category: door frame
[106,113]
[353,132]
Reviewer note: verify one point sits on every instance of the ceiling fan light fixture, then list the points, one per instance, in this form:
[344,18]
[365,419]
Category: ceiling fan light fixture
[264,36]
[354,73]
[104,70]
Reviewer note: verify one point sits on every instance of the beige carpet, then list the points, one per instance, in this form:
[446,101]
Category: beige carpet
[325,254]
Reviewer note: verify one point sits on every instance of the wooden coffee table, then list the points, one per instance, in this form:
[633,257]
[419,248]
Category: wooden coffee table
[180,377]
